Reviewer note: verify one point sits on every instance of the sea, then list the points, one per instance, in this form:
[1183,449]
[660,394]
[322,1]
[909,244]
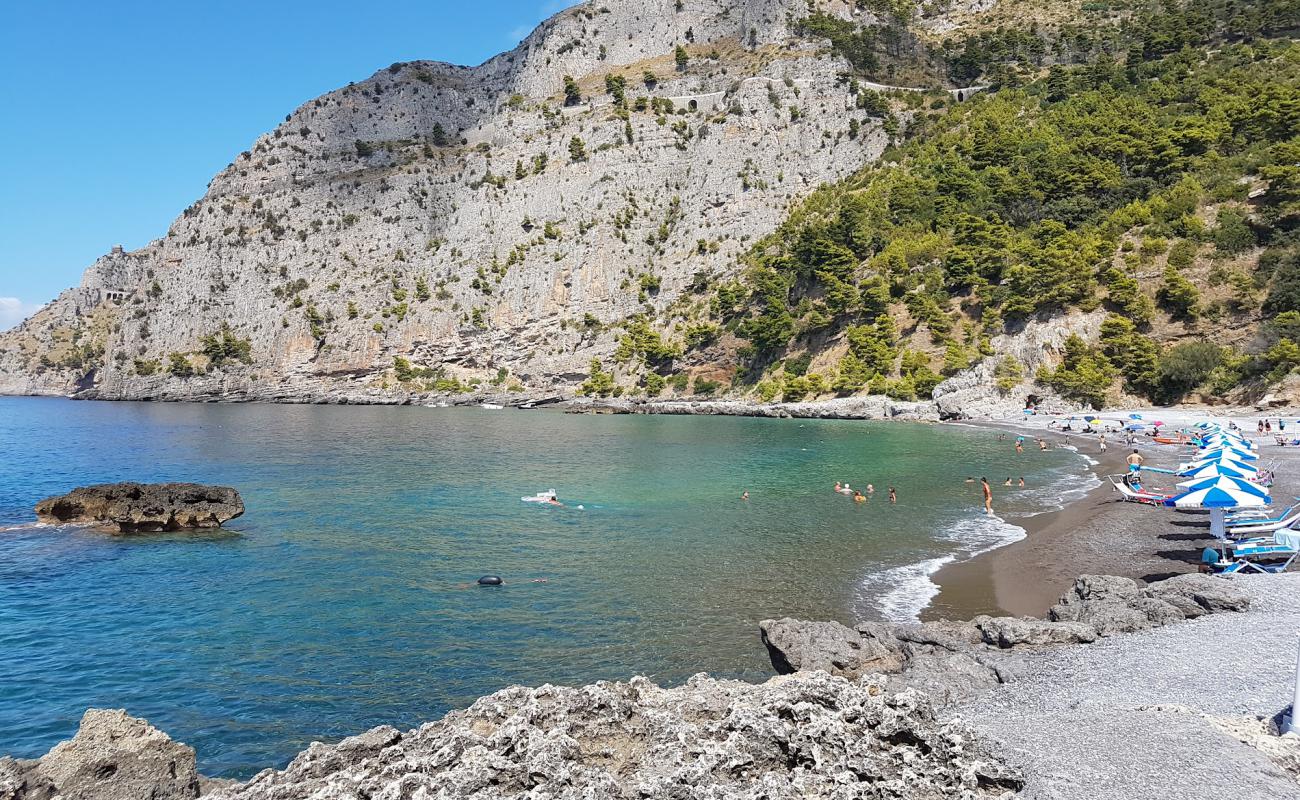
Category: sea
[346,597]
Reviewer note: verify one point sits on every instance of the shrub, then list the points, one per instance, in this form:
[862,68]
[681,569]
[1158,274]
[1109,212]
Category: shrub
[147,366]
[179,365]
[1233,234]
[599,383]
[225,346]
[1008,373]
[704,386]
[1178,295]
[1185,366]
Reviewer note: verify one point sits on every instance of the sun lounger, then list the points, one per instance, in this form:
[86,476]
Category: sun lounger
[1265,554]
[1254,518]
[1247,529]
[1138,495]
[1213,560]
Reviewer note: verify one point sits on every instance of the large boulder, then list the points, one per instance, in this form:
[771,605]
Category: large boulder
[803,735]
[794,645]
[145,506]
[1008,632]
[114,756]
[1195,594]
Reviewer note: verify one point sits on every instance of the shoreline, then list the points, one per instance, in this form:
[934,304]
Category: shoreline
[1095,534]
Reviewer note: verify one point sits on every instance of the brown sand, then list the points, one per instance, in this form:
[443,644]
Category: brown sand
[1096,535]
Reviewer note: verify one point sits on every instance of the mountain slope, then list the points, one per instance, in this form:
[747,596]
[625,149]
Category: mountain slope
[435,225]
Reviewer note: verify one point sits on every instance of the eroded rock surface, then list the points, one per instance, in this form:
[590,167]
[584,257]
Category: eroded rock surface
[805,735]
[145,506]
[114,756]
[955,661]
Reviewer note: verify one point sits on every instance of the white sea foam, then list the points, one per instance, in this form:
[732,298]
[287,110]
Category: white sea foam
[900,594]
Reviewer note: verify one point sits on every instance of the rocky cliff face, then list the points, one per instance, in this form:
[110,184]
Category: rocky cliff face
[473,221]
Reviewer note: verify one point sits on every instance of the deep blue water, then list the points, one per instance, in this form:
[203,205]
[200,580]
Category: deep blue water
[340,600]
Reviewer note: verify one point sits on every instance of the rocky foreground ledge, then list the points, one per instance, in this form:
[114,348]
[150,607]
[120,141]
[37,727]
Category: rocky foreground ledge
[989,708]
[144,506]
[805,735]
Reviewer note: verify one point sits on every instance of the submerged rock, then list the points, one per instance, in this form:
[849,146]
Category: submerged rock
[145,506]
[114,756]
[806,735]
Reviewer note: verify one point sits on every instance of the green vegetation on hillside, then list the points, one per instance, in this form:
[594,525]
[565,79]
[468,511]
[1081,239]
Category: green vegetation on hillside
[1064,193]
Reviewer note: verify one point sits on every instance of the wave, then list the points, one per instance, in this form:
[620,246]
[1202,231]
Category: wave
[900,594]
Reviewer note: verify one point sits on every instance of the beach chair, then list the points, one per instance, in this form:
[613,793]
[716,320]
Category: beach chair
[1248,529]
[1216,563]
[1254,517]
[1137,495]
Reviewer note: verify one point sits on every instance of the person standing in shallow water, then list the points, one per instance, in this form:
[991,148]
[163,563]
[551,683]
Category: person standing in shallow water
[988,495]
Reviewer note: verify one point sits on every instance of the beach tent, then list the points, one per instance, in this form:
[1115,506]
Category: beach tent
[1218,499]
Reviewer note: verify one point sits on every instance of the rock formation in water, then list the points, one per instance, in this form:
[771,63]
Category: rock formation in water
[434,227]
[144,506]
[957,660]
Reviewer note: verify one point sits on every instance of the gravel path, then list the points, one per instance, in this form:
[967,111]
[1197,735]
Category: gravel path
[1119,718]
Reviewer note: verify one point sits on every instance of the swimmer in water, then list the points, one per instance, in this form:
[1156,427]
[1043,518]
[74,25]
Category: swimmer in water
[744,495]
[838,488]
[1007,482]
[1022,481]
[893,495]
[871,489]
[859,498]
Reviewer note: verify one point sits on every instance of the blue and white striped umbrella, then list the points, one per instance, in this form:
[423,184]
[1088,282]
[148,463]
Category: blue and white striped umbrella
[1229,452]
[1215,469]
[1244,466]
[1226,487]
[1225,440]
[1220,495]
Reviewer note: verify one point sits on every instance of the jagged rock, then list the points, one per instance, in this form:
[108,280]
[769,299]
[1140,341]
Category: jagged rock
[953,661]
[794,645]
[1008,632]
[113,757]
[803,735]
[12,782]
[1195,594]
[1111,605]
[145,506]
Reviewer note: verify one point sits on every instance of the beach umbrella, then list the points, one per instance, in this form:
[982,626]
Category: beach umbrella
[1233,453]
[1218,459]
[1225,483]
[1216,470]
[1218,499]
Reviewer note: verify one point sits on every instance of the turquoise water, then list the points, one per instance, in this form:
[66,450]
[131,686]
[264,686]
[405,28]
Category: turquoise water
[339,600]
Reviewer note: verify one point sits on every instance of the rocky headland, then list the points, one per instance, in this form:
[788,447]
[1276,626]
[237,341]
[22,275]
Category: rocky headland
[133,507]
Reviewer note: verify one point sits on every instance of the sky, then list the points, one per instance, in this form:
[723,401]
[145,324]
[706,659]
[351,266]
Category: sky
[115,115]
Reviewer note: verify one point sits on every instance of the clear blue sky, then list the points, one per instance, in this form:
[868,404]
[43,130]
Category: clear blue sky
[114,115]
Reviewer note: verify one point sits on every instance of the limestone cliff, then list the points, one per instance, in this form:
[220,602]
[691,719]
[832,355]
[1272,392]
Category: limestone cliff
[480,224]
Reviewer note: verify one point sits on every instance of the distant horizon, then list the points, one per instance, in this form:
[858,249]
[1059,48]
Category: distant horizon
[127,112]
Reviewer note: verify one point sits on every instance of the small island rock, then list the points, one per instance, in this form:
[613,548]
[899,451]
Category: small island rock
[145,506]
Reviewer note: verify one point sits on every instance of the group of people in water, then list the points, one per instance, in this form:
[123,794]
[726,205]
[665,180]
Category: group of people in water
[859,497]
